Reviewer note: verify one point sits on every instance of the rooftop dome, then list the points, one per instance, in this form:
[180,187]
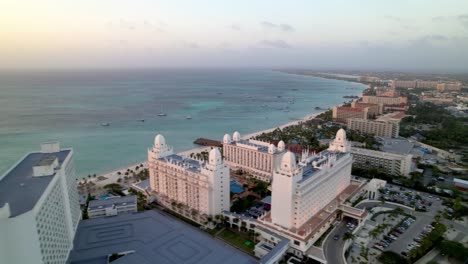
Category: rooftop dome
[281,146]
[288,162]
[236,136]
[215,157]
[341,135]
[271,149]
[159,141]
[227,139]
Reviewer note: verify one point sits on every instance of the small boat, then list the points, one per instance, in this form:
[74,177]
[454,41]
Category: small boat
[105,124]
[286,111]
[188,117]
[162,113]
[141,120]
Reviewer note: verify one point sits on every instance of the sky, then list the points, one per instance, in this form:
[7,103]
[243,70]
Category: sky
[420,35]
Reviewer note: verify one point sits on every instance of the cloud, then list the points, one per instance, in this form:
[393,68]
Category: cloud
[276,43]
[188,44]
[234,27]
[461,19]
[281,27]
[286,27]
[428,40]
[394,18]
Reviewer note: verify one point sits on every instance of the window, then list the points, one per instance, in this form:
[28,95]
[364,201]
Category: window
[297,243]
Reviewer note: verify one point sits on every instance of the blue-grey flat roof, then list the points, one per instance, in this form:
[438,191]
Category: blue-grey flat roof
[20,189]
[143,184]
[109,202]
[186,163]
[155,238]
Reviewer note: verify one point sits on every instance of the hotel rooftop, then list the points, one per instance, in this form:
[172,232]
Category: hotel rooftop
[22,186]
[186,163]
[150,237]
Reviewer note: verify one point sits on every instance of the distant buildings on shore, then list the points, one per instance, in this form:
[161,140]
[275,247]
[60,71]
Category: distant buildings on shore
[39,207]
[428,85]
[384,126]
[193,188]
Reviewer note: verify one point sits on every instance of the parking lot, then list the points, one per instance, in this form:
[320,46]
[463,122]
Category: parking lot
[408,236]
[407,197]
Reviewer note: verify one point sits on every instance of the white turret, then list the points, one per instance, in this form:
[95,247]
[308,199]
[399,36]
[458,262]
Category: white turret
[340,143]
[281,146]
[227,139]
[288,162]
[236,136]
[160,148]
[215,157]
[159,141]
[271,149]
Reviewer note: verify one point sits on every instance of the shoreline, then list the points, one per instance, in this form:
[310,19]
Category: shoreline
[112,176]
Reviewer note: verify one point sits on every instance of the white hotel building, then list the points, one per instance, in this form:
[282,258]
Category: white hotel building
[307,197]
[253,156]
[188,183]
[39,207]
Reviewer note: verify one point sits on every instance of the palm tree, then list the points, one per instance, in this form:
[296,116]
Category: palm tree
[349,236]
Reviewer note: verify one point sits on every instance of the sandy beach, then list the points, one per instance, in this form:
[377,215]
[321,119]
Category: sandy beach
[112,177]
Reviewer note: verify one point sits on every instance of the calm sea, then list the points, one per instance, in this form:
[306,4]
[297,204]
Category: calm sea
[72,106]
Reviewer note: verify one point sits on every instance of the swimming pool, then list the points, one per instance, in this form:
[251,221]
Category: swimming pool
[235,187]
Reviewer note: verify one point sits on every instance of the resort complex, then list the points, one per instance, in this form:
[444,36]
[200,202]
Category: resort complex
[39,209]
[194,188]
[319,198]
[253,156]
[309,196]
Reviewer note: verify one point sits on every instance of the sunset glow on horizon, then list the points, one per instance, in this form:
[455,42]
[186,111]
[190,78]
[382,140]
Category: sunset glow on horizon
[336,34]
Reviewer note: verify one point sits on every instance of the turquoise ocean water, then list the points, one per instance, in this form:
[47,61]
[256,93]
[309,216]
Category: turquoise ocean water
[71,106]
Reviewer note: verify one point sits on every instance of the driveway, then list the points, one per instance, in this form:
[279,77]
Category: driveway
[333,249]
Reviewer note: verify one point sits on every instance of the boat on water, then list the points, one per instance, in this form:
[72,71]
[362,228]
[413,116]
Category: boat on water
[162,112]
[188,117]
[105,124]
[141,120]
[351,96]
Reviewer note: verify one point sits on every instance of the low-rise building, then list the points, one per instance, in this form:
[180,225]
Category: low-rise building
[112,206]
[39,207]
[449,87]
[342,113]
[390,163]
[373,109]
[385,100]
[378,128]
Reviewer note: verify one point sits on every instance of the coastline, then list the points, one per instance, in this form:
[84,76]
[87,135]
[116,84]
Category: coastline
[112,176]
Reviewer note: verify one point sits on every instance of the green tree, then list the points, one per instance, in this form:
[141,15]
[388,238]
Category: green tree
[390,257]
[348,236]
[454,249]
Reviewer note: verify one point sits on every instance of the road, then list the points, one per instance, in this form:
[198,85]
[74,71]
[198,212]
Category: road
[333,249]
